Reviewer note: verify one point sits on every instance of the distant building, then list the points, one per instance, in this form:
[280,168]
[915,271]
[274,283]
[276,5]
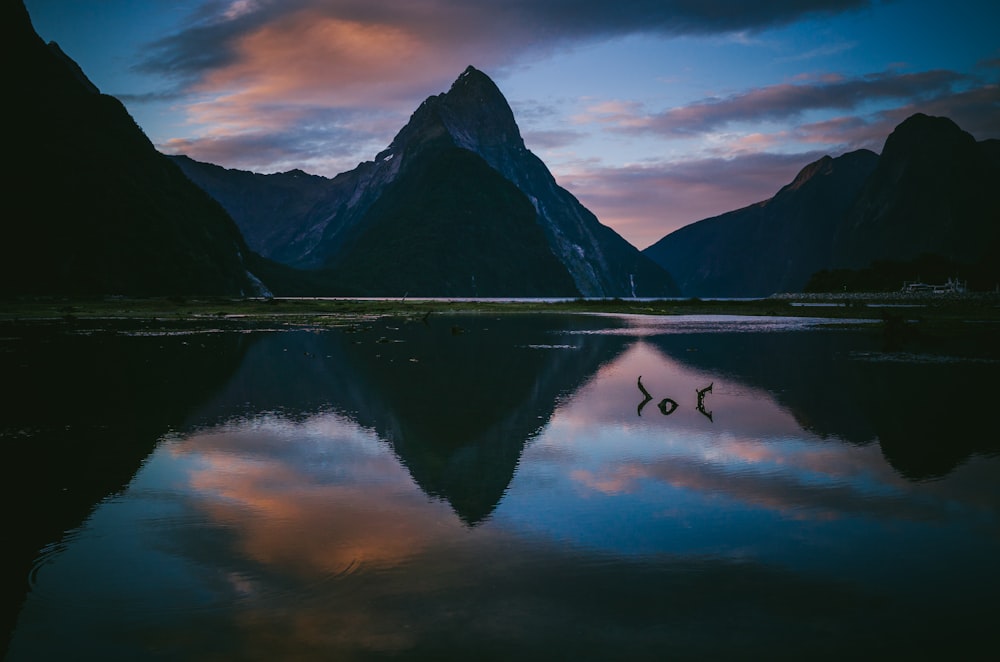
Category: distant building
[951,286]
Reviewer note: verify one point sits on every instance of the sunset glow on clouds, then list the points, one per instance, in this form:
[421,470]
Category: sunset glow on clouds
[653,114]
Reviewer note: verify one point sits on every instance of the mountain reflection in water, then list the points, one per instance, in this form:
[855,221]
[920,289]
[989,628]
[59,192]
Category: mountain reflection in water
[478,487]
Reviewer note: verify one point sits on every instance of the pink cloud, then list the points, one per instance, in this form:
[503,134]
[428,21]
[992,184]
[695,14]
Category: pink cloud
[784,101]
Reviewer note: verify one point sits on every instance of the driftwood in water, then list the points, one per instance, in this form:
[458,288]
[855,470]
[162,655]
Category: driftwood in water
[646,396]
[701,400]
[667,406]
[663,406]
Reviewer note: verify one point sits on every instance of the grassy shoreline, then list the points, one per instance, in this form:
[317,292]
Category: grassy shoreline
[216,311]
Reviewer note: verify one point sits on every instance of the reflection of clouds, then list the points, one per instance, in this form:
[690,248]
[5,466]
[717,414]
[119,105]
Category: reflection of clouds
[335,549]
[631,531]
[623,479]
[754,452]
[610,400]
[325,526]
[312,505]
[808,487]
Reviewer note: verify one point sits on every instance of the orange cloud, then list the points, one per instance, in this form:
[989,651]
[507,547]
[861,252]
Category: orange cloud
[620,481]
[272,501]
[308,58]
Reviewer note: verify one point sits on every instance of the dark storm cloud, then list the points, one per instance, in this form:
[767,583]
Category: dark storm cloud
[671,17]
[975,110]
[212,38]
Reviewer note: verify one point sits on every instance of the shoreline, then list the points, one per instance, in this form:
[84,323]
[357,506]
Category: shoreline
[983,298]
[293,311]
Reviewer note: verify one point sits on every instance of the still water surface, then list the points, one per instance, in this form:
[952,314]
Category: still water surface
[475,487]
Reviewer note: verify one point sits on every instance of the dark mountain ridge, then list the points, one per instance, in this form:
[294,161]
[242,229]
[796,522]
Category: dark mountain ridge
[95,209]
[771,246]
[256,199]
[326,230]
[932,191]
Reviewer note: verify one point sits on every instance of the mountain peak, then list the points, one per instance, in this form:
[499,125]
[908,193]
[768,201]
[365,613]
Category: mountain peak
[814,169]
[476,113]
[921,133]
[473,113]
[473,79]
[860,159]
[470,71]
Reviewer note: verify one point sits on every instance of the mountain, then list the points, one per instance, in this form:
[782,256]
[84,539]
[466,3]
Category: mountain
[346,228]
[452,226]
[93,208]
[256,200]
[771,246]
[934,191]
[931,191]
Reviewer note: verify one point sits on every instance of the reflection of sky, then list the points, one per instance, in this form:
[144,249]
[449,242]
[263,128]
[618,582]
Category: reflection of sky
[747,483]
[241,538]
[322,498]
[653,325]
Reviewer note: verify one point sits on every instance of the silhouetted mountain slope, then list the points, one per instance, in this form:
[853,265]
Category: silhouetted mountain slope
[473,116]
[452,226]
[93,207]
[258,199]
[771,246]
[933,190]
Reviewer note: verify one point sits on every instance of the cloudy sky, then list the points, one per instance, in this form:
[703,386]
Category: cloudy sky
[654,113]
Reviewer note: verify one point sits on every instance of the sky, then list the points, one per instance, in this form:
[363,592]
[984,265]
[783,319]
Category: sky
[653,113]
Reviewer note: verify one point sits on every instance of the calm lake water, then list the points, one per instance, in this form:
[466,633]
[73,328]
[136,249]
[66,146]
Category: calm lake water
[482,487]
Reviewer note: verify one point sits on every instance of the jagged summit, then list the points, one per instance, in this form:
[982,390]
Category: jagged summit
[473,114]
[476,112]
[814,169]
[826,166]
[473,81]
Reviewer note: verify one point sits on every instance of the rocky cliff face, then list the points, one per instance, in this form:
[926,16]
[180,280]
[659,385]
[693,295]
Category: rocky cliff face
[932,191]
[472,116]
[93,207]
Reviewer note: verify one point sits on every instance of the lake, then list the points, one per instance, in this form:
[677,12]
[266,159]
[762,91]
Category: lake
[501,487]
